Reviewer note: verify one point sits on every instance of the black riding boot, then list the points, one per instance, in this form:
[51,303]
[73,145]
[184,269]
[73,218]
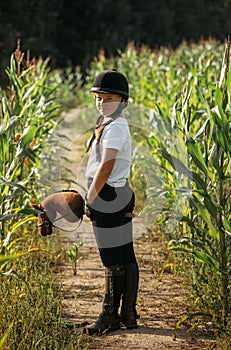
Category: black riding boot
[109,320]
[128,311]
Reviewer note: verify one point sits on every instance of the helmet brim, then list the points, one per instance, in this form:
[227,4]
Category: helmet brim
[109,91]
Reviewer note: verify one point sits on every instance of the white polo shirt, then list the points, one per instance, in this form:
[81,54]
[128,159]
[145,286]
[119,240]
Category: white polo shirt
[115,135]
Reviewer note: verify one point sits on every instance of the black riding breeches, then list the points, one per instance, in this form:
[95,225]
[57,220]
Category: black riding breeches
[112,229]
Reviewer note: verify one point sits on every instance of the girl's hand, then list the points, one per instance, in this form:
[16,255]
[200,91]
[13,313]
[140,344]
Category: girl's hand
[87,209]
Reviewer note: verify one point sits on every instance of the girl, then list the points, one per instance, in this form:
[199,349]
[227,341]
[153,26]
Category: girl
[110,202]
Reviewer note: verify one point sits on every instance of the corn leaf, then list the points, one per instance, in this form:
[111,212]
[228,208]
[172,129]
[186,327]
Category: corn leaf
[4,337]
[204,213]
[205,258]
[21,222]
[195,152]
[226,225]
[13,184]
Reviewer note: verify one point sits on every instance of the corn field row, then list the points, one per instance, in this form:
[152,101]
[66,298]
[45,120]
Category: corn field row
[180,120]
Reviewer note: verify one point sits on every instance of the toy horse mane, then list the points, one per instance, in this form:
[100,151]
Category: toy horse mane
[69,204]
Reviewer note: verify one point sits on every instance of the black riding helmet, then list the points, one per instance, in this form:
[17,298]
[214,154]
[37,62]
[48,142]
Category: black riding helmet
[112,82]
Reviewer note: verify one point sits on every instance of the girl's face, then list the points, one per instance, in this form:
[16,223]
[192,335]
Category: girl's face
[107,103]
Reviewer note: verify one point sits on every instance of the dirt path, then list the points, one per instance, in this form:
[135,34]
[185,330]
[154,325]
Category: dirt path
[161,299]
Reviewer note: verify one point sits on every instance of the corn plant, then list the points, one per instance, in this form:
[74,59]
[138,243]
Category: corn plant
[158,76]
[29,300]
[29,114]
[73,256]
[205,224]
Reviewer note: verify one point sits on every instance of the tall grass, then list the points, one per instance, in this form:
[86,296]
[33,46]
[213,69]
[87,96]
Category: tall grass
[31,300]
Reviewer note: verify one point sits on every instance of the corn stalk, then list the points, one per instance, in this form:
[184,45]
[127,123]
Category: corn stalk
[207,233]
[28,111]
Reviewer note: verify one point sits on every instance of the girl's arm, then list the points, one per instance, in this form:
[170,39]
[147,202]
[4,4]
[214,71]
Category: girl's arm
[103,173]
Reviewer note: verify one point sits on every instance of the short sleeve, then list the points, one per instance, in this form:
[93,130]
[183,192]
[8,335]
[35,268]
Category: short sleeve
[115,137]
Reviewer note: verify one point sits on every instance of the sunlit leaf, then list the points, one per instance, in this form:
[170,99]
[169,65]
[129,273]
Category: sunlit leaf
[194,150]
[6,334]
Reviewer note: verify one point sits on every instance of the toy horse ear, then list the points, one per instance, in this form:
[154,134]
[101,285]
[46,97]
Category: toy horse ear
[35,206]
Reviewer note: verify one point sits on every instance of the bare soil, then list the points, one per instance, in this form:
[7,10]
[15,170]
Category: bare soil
[162,298]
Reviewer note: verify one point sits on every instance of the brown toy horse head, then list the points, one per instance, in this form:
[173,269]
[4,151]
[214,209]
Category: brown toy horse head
[69,204]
